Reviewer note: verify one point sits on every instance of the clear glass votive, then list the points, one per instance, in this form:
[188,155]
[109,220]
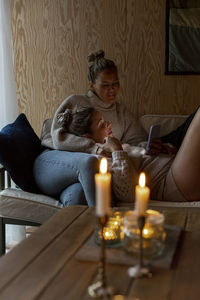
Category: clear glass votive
[113,231]
[153,234]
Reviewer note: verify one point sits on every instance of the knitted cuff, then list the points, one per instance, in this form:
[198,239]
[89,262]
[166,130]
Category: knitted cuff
[117,155]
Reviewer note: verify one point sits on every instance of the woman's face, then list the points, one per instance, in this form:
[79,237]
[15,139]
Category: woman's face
[99,128]
[106,86]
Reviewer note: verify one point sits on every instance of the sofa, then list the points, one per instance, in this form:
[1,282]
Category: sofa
[22,204]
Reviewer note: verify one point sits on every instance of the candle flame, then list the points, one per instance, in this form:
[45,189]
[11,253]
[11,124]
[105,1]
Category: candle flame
[103,165]
[142,180]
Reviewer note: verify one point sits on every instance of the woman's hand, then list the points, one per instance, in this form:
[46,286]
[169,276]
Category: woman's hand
[111,144]
[156,147]
[108,128]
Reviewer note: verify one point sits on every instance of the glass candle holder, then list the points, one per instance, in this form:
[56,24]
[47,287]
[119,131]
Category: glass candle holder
[113,231]
[153,234]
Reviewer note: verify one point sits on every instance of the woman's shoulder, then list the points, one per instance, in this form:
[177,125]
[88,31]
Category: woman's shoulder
[76,99]
[72,101]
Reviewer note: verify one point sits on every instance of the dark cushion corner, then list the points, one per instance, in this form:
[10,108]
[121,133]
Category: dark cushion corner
[19,146]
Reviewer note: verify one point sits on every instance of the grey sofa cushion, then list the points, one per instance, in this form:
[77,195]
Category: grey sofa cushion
[168,122]
[21,205]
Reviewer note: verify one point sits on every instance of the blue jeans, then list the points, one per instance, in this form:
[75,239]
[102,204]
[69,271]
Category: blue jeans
[68,176]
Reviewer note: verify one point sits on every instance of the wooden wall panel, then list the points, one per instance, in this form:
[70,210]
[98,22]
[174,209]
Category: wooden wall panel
[52,39]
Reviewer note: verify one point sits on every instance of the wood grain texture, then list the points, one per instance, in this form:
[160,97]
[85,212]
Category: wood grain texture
[183,277]
[41,240]
[52,39]
[60,247]
[44,266]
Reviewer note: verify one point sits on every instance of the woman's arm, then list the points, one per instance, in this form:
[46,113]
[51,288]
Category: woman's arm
[61,139]
[124,175]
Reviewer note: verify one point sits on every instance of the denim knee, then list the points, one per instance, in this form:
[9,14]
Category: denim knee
[73,195]
[88,168]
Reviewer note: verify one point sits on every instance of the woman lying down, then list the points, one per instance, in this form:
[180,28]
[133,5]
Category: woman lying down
[170,177]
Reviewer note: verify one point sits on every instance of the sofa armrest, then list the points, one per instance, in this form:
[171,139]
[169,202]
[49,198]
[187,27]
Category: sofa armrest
[168,122]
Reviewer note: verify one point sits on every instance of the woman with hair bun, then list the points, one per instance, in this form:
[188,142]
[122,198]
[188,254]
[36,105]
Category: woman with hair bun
[104,87]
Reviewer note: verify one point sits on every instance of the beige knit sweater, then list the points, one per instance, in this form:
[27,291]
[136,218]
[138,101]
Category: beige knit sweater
[124,126]
[126,166]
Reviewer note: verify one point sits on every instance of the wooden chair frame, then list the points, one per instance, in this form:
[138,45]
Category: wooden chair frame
[4,220]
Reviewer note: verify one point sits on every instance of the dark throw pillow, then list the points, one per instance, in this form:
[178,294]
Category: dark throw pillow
[19,146]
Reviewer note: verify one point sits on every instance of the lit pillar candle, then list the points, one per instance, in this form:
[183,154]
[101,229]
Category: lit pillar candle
[142,193]
[103,190]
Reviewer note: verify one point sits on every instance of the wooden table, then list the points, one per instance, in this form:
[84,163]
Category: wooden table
[44,265]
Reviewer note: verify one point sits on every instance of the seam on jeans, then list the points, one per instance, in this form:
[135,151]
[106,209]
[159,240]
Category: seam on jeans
[79,177]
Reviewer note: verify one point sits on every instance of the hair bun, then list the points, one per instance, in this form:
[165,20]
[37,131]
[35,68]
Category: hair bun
[94,56]
[64,118]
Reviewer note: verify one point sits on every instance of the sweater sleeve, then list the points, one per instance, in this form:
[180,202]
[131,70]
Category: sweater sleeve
[61,139]
[124,177]
[133,130]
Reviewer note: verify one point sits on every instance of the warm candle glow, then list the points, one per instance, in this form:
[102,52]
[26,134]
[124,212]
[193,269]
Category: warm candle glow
[103,165]
[142,193]
[109,234]
[142,180]
[103,189]
[148,232]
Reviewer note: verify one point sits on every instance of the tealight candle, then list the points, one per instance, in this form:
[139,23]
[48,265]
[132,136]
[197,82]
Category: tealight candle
[153,233]
[109,234]
[112,232]
[103,190]
[142,193]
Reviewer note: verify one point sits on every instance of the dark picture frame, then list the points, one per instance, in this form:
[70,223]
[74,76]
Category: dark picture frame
[182,37]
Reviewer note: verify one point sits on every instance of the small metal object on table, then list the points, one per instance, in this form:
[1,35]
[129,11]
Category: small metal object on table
[140,270]
[100,288]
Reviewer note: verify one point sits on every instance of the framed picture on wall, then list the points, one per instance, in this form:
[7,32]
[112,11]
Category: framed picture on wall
[182,37]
